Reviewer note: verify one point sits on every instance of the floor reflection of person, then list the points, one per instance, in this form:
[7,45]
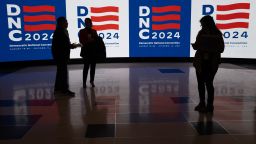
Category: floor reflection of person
[205,127]
[60,51]
[93,113]
[89,99]
[209,45]
[64,127]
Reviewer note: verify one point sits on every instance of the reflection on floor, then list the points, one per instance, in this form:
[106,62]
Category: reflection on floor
[131,104]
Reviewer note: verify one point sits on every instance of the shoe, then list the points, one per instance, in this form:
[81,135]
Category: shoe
[84,86]
[92,84]
[69,93]
[200,108]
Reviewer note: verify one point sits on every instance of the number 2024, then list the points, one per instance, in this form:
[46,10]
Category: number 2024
[163,35]
[109,35]
[37,37]
[235,35]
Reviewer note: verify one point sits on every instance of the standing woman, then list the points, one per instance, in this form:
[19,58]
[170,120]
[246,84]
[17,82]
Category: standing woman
[88,38]
[209,45]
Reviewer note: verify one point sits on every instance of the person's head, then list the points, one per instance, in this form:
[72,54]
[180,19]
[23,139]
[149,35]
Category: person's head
[207,22]
[62,22]
[88,22]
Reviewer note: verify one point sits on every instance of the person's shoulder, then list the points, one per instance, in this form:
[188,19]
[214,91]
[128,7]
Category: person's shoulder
[219,33]
[58,31]
[82,30]
[94,30]
[201,32]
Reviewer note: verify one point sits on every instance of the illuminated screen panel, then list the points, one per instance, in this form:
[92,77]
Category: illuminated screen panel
[110,19]
[160,28]
[27,27]
[145,28]
[235,19]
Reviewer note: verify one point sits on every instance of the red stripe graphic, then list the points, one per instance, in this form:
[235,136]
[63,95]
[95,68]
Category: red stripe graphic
[106,27]
[166,17]
[104,18]
[39,18]
[104,9]
[172,8]
[40,27]
[42,8]
[233,6]
[233,25]
[165,26]
[232,16]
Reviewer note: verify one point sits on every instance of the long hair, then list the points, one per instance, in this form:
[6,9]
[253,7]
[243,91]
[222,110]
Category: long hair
[208,23]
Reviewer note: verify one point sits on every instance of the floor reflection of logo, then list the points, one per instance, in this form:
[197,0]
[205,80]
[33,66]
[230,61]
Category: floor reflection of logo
[167,17]
[39,18]
[105,18]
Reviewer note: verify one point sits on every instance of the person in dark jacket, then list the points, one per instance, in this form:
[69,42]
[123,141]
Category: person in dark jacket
[209,45]
[88,38]
[60,51]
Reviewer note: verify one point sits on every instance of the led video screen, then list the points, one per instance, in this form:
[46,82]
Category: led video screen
[129,28]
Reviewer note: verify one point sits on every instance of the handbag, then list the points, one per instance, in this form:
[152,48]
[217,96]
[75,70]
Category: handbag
[101,50]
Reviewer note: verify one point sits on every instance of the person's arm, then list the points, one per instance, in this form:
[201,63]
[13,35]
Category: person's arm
[196,44]
[95,33]
[81,37]
[63,40]
[222,45]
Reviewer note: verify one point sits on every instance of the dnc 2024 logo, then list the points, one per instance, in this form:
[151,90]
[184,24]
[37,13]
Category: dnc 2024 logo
[230,17]
[30,23]
[105,19]
[159,19]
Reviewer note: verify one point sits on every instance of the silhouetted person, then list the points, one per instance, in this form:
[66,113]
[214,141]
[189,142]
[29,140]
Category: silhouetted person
[60,51]
[88,38]
[209,45]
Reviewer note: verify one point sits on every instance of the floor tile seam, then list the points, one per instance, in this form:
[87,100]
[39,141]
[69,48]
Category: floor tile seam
[39,115]
[223,127]
[152,123]
[115,129]
[237,120]
[216,110]
[254,135]
[137,123]
[15,125]
[148,137]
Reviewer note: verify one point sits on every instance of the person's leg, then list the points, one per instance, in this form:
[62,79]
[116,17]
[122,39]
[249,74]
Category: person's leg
[65,85]
[201,86]
[85,73]
[201,89]
[92,73]
[210,90]
[61,83]
[57,86]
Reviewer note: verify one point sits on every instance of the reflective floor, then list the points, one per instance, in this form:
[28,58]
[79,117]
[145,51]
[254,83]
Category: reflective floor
[138,103]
